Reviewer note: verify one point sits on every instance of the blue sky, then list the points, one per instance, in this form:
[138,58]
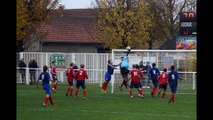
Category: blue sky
[73,4]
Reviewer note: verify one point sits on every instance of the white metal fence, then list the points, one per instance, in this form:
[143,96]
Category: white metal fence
[182,59]
[96,65]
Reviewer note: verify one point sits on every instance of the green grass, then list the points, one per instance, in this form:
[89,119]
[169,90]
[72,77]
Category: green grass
[118,106]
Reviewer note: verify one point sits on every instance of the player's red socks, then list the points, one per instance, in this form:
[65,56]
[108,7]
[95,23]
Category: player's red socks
[46,100]
[130,92]
[54,87]
[172,98]
[104,86]
[154,90]
[68,89]
[163,95]
[140,92]
[76,93]
[71,89]
[85,93]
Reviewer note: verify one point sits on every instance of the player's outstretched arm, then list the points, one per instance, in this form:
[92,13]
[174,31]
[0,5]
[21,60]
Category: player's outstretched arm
[128,52]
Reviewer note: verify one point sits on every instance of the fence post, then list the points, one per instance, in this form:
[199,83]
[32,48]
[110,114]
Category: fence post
[47,55]
[193,77]
[27,76]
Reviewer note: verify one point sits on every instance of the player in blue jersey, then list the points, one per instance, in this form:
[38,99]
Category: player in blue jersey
[45,77]
[110,71]
[154,72]
[173,77]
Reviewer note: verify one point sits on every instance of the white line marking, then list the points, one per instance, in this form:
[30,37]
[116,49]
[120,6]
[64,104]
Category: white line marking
[112,112]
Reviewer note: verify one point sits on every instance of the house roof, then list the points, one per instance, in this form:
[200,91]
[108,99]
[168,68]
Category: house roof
[72,25]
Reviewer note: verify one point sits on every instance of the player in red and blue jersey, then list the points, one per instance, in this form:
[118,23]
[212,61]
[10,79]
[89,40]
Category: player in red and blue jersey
[54,76]
[153,75]
[70,78]
[110,71]
[45,77]
[135,77]
[173,83]
[163,80]
[81,75]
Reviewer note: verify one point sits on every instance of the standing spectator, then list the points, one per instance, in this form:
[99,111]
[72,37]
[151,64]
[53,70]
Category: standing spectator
[22,70]
[32,65]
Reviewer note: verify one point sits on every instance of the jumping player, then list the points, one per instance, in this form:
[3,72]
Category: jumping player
[81,75]
[135,77]
[124,70]
[110,71]
[54,76]
[45,77]
[70,77]
[173,83]
[162,80]
[153,75]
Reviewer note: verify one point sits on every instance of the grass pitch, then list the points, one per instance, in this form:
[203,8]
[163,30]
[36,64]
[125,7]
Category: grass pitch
[118,106]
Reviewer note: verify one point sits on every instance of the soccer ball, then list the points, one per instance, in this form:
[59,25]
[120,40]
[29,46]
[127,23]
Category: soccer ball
[128,48]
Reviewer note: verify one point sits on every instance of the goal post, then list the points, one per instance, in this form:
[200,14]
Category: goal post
[183,60]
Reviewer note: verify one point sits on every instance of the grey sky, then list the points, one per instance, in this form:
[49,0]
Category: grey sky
[74,4]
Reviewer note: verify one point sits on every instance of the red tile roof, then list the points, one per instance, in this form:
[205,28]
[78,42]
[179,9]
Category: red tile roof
[72,25]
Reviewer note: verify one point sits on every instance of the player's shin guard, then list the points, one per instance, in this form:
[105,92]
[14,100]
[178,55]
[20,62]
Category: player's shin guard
[85,93]
[104,86]
[155,90]
[71,89]
[140,92]
[173,97]
[130,92]
[55,86]
[68,90]
[163,95]
[46,100]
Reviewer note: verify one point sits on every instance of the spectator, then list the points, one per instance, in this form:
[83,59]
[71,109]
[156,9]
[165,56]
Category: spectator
[22,70]
[32,65]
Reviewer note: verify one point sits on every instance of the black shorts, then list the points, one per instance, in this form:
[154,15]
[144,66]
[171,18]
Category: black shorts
[70,83]
[124,72]
[81,83]
[163,86]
